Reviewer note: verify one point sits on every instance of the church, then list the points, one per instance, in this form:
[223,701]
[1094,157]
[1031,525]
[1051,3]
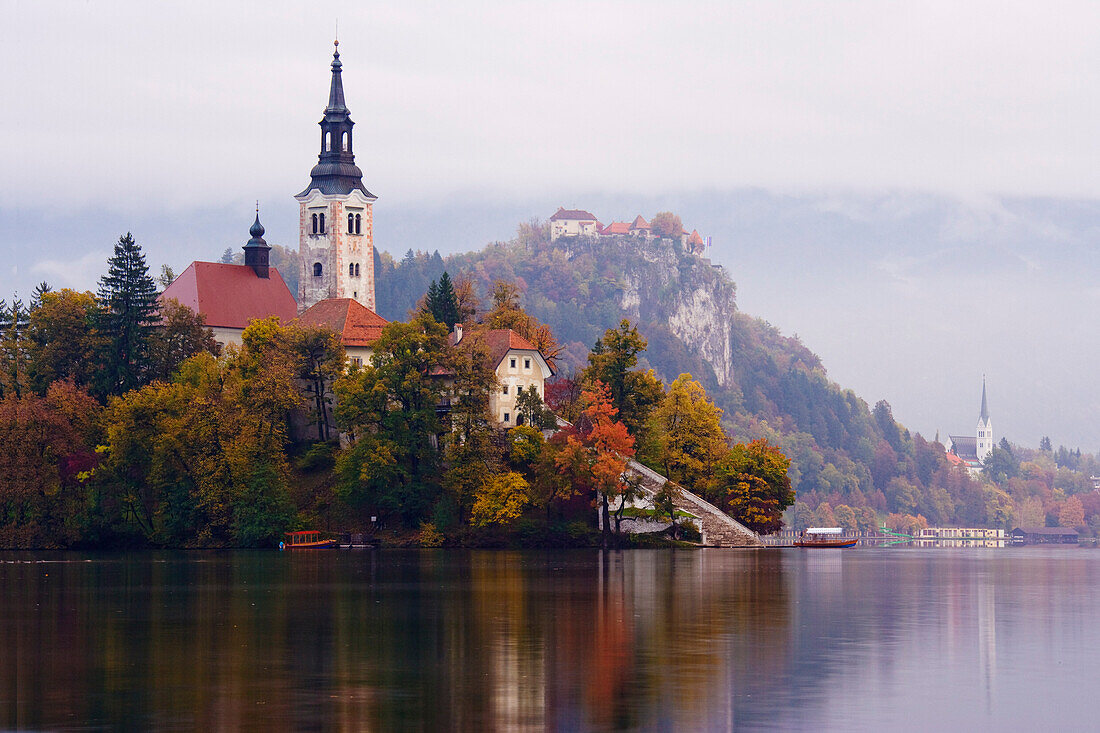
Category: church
[972,451]
[335,245]
[336,276]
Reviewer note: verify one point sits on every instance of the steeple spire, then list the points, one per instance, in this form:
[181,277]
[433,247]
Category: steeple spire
[336,104]
[256,250]
[336,172]
[985,409]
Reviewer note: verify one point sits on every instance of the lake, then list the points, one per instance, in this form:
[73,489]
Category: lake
[861,639]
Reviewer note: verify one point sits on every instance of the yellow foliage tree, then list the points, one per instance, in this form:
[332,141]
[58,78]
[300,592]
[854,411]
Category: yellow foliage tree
[500,500]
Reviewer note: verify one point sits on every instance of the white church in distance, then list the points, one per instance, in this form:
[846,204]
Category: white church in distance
[973,450]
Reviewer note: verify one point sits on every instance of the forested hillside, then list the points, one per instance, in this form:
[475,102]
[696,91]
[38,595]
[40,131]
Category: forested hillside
[850,464]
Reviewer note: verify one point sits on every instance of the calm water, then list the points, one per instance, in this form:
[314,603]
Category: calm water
[441,640]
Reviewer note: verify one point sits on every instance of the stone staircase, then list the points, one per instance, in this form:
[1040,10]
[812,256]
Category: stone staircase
[717,528]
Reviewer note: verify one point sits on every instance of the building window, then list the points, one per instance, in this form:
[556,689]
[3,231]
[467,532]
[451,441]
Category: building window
[321,219]
[351,224]
[344,142]
[357,269]
[317,269]
[356,361]
[351,270]
[328,141]
[358,222]
[526,363]
[507,416]
[512,364]
[504,389]
[355,294]
[314,223]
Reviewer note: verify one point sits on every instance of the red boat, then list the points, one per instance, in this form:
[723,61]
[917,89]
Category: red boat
[306,540]
[825,537]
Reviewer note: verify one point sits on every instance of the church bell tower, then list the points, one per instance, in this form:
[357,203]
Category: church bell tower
[335,223]
[983,443]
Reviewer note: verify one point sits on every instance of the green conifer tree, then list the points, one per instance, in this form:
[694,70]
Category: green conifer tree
[129,298]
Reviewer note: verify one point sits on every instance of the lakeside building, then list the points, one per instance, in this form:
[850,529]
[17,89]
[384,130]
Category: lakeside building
[972,451]
[959,537]
[1044,536]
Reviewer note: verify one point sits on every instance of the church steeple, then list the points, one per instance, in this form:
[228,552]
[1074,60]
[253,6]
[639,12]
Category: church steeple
[985,407]
[256,250]
[336,172]
[336,104]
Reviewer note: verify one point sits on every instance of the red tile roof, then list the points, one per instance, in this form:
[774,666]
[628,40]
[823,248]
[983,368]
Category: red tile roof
[357,324]
[695,238]
[639,223]
[616,227]
[573,214]
[232,295]
[503,340]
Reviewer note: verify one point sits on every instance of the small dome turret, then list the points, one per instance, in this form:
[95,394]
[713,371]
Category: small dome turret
[256,250]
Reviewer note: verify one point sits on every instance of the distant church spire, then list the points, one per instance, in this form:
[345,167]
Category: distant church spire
[985,407]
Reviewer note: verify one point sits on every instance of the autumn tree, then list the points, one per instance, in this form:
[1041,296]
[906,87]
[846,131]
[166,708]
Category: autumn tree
[666,225]
[200,461]
[388,409]
[65,341]
[183,333]
[1072,513]
[633,393]
[46,444]
[470,458]
[753,486]
[506,312]
[500,499]
[321,360]
[596,452]
[128,296]
[684,436]
[14,347]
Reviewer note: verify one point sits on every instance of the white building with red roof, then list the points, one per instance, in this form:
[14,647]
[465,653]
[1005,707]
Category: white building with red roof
[518,364]
[229,297]
[573,223]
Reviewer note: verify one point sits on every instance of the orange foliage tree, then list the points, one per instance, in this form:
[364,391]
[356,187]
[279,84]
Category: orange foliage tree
[596,452]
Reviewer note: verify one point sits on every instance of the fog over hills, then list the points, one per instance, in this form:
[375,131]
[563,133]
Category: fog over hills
[906,297]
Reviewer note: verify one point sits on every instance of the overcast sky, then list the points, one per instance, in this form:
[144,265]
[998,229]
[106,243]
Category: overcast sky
[928,130]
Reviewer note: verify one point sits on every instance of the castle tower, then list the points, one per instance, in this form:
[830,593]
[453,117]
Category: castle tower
[984,435]
[335,223]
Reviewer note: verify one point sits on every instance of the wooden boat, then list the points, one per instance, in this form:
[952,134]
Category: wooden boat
[825,537]
[306,540]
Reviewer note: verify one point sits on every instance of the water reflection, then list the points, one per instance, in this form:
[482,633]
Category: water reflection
[434,640]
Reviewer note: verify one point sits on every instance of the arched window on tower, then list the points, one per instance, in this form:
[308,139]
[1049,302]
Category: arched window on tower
[344,142]
[358,221]
[314,223]
[351,270]
[317,269]
[328,141]
[357,269]
[351,223]
[321,219]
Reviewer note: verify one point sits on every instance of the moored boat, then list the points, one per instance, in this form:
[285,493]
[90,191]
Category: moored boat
[306,540]
[825,537]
